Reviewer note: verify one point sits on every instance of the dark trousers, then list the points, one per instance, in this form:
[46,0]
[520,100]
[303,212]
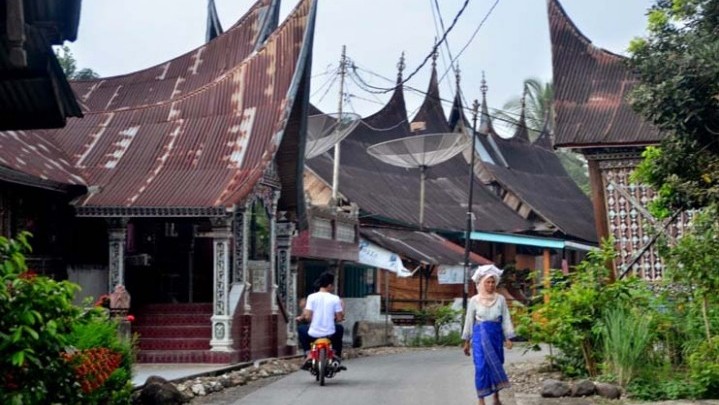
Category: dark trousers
[306,340]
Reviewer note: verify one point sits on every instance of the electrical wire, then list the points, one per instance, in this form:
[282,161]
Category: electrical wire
[471,38]
[432,52]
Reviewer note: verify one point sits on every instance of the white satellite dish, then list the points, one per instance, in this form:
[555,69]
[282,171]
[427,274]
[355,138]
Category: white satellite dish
[325,130]
[420,151]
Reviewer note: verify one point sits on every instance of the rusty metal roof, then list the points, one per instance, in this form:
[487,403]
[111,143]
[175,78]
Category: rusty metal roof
[33,158]
[205,148]
[590,89]
[180,76]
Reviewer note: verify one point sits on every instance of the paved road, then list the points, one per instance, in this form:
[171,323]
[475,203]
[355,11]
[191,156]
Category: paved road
[441,376]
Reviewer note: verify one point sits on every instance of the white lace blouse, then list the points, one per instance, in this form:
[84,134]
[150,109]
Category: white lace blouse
[477,312]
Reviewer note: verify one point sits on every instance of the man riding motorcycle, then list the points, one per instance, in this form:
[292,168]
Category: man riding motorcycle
[323,309]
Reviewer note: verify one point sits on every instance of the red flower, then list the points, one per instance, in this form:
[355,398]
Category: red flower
[28,275]
[131,318]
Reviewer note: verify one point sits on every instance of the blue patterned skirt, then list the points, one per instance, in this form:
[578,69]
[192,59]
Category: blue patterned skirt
[488,355]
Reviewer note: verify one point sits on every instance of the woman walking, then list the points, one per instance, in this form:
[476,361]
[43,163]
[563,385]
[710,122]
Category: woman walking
[487,326]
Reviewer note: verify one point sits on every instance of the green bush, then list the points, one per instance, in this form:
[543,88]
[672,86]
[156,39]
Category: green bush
[50,350]
[704,368]
[627,339]
[36,317]
[662,387]
[570,318]
[96,331]
[439,316]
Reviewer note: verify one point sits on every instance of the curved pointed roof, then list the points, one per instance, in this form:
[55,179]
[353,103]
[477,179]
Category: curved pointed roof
[391,194]
[457,116]
[205,149]
[521,134]
[181,75]
[590,90]
[544,140]
[430,116]
[214,28]
[536,176]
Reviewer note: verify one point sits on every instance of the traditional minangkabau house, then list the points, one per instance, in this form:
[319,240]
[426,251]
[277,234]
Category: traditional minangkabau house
[388,198]
[37,180]
[594,118]
[530,179]
[194,186]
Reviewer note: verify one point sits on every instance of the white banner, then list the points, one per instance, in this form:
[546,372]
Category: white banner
[375,256]
[450,274]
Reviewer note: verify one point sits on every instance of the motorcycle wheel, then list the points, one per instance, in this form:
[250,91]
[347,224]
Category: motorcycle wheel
[322,366]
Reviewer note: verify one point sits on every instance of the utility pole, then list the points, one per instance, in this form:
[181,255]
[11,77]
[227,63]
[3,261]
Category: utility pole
[336,166]
[468,231]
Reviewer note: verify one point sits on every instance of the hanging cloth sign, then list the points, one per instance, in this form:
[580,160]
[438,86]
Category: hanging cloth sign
[450,274]
[375,256]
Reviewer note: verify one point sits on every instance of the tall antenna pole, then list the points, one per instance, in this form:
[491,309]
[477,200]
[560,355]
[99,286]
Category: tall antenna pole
[468,231]
[336,166]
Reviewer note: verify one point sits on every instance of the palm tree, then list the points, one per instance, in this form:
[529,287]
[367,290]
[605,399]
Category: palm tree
[537,101]
[538,107]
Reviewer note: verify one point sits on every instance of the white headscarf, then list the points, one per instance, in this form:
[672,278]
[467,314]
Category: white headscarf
[482,273]
[487,269]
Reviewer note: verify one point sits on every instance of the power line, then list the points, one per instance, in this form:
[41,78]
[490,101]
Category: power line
[433,51]
[471,38]
[361,82]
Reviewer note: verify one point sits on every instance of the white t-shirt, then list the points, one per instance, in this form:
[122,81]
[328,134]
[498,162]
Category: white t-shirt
[324,306]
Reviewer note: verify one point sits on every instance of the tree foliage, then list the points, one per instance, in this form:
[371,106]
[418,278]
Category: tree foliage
[678,91]
[69,65]
[570,318]
[52,351]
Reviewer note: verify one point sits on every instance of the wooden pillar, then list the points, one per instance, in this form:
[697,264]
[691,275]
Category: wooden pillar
[546,276]
[596,182]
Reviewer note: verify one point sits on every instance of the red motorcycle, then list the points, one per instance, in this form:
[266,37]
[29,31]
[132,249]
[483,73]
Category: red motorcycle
[324,364]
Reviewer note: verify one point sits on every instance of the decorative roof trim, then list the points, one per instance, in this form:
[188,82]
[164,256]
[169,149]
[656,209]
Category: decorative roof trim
[94,211]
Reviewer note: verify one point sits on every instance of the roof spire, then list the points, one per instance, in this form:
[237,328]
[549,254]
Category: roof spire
[457,75]
[544,140]
[214,28]
[522,133]
[456,115]
[483,88]
[400,68]
[435,53]
[485,123]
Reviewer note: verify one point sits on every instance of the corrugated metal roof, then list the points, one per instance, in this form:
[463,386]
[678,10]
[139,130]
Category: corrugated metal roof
[206,148]
[180,76]
[34,154]
[535,175]
[391,193]
[590,89]
[424,247]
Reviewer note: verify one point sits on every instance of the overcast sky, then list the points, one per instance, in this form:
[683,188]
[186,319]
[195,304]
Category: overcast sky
[118,37]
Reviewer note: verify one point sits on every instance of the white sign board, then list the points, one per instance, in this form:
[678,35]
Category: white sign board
[450,274]
[375,256]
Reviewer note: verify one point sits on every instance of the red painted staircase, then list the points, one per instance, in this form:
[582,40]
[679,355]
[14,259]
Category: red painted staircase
[177,333]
